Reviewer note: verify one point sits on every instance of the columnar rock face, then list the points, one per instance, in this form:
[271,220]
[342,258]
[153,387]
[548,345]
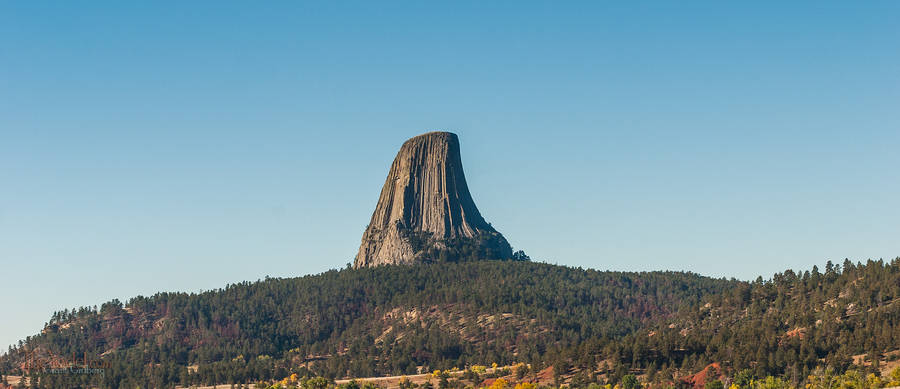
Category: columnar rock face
[425,212]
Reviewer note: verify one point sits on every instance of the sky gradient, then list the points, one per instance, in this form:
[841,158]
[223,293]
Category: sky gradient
[152,147]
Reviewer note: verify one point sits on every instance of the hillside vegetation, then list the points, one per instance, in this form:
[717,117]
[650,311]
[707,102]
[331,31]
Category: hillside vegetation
[793,326]
[363,322]
[584,326]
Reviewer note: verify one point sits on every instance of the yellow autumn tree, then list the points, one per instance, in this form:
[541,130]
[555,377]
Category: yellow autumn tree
[500,383]
[874,381]
[894,377]
[525,385]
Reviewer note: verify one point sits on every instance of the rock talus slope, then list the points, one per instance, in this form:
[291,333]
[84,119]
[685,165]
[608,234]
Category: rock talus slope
[425,211]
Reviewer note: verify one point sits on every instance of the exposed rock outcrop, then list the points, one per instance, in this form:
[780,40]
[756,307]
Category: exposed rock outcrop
[425,212]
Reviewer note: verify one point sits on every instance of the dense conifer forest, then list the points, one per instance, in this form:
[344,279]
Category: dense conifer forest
[588,327]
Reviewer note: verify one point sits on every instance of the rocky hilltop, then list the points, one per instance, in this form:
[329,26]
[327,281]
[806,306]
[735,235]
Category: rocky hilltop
[425,212]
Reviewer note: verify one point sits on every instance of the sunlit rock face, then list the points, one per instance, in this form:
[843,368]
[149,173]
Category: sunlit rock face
[425,212]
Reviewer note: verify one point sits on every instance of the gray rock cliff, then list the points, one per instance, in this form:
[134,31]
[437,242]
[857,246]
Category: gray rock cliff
[425,212]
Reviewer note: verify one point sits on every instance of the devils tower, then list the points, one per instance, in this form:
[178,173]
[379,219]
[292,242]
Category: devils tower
[425,212]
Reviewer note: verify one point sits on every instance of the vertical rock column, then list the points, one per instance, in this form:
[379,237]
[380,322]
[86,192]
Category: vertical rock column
[425,207]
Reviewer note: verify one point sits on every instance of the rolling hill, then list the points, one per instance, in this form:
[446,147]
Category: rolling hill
[585,325]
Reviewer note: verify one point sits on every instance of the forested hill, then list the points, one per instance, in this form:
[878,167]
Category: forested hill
[363,322]
[795,326]
[589,326]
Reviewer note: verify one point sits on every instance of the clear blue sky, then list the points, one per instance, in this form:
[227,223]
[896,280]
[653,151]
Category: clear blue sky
[178,147]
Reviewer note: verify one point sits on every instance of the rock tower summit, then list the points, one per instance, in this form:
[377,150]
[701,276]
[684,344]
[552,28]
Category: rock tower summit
[425,212]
